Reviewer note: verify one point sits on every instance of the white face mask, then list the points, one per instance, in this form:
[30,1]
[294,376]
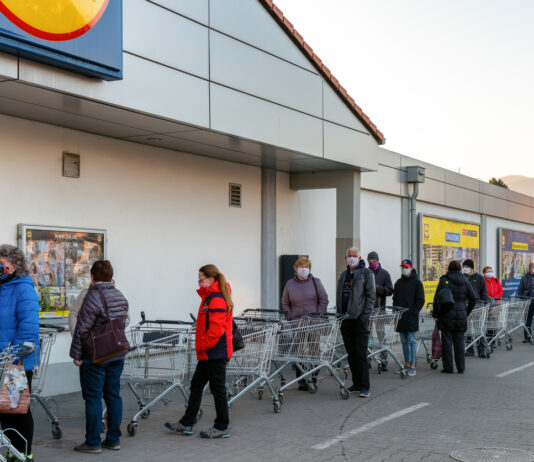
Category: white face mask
[466,271]
[406,271]
[489,275]
[303,272]
[353,261]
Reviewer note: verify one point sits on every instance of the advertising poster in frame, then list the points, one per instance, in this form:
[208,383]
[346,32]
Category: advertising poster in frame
[444,240]
[516,252]
[60,260]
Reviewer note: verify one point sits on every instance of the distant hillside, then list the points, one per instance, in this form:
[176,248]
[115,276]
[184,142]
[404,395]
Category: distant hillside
[520,183]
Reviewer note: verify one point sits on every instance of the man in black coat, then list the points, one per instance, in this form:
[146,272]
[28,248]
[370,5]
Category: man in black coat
[409,293]
[384,289]
[481,293]
[452,320]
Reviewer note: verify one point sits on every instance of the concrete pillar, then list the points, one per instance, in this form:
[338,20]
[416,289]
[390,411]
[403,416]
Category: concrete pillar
[347,185]
[268,239]
[483,242]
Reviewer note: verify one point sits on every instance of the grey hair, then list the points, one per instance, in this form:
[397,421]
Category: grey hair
[15,256]
[352,249]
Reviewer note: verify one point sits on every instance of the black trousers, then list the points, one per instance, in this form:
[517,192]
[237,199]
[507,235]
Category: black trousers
[356,339]
[453,341]
[23,423]
[214,372]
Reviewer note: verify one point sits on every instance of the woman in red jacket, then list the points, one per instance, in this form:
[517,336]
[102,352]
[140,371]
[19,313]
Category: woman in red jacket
[493,284]
[214,349]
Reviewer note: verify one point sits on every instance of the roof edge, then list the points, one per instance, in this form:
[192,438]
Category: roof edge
[290,30]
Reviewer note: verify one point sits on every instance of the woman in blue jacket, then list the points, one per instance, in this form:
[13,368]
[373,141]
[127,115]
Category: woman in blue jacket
[19,323]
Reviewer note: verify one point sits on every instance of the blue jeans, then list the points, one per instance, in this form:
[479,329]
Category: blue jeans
[409,347]
[97,381]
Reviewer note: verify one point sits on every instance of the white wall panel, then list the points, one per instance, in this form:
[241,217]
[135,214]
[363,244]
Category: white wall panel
[243,115]
[167,93]
[337,111]
[248,20]
[250,70]
[8,66]
[194,9]
[167,38]
[349,146]
[446,212]
[380,230]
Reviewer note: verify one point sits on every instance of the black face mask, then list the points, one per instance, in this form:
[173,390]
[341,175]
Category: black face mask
[7,278]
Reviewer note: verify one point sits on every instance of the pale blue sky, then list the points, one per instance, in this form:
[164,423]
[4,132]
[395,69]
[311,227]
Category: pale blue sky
[450,82]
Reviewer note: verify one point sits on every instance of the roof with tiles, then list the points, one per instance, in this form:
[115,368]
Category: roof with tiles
[286,25]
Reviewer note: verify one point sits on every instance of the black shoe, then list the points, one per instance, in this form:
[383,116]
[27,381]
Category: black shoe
[526,341]
[482,355]
[354,389]
[113,446]
[447,372]
[84,447]
[460,372]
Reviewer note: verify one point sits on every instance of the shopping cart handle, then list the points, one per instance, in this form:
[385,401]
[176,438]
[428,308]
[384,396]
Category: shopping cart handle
[52,326]
[193,317]
[264,310]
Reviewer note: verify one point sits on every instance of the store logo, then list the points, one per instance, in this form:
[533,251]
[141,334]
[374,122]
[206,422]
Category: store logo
[469,232]
[452,237]
[55,20]
[519,246]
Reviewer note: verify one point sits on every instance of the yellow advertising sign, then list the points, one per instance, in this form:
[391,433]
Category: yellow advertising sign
[520,246]
[450,233]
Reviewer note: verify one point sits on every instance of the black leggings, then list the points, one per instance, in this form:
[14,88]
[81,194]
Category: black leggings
[23,423]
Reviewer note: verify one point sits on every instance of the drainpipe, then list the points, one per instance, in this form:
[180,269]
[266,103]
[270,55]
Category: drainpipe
[414,175]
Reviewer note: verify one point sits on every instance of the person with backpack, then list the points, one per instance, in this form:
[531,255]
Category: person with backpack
[493,284]
[409,293]
[303,294]
[213,342]
[526,290]
[453,302]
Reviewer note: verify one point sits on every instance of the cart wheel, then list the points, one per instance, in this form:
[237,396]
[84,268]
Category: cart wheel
[56,431]
[146,414]
[433,365]
[312,388]
[499,342]
[281,397]
[132,428]
[379,368]
[344,393]
[403,374]
[509,346]
[260,394]
[277,407]
[104,427]
[428,358]
[488,355]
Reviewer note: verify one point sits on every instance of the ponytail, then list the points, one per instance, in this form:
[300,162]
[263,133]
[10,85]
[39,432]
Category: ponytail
[211,271]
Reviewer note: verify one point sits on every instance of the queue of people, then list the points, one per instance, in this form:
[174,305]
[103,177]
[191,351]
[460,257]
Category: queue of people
[99,318]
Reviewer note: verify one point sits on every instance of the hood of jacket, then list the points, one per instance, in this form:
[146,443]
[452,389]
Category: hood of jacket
[456,277]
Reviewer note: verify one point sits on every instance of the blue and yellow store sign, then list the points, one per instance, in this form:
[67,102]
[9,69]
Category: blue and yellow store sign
[83,36]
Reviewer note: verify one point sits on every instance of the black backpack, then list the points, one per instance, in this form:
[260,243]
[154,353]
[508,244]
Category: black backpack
[445,298]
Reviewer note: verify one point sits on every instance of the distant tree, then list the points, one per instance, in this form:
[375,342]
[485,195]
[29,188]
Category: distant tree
[498,182]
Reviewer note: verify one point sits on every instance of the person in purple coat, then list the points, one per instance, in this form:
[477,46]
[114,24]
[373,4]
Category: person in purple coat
[303,294]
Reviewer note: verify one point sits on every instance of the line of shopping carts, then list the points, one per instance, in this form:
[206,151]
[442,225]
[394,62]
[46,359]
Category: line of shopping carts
[488,325]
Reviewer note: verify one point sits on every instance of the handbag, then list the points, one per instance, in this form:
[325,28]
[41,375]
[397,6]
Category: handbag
[238,343]
[107,340]
[15,392]
[436,344]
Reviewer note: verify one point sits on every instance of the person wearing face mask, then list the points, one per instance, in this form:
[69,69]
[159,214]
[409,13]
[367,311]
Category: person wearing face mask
[19,324]
[355,299]
[213,342]
[481,293]
[303,294]
[409,293]
[384,288]
[493,284]
[526,289]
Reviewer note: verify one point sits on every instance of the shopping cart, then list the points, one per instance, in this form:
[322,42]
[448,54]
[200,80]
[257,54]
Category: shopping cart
[8,356]
[517,317]
[496,322]
[476,327]
[248,369]
[308,344]
[383,337]
[426,329]
[161,360]
[47,337]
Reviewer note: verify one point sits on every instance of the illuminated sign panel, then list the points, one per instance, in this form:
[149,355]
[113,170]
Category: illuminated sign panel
[84,36]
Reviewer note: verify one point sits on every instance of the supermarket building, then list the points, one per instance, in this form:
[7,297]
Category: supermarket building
[210,132]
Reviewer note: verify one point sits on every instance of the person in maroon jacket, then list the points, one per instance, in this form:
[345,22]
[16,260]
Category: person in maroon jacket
[214,349]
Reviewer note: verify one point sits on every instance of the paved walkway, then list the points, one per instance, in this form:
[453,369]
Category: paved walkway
[421,418]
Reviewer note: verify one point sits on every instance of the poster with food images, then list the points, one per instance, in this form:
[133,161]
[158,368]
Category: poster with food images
[443,241]
[516,254]
[59,262]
